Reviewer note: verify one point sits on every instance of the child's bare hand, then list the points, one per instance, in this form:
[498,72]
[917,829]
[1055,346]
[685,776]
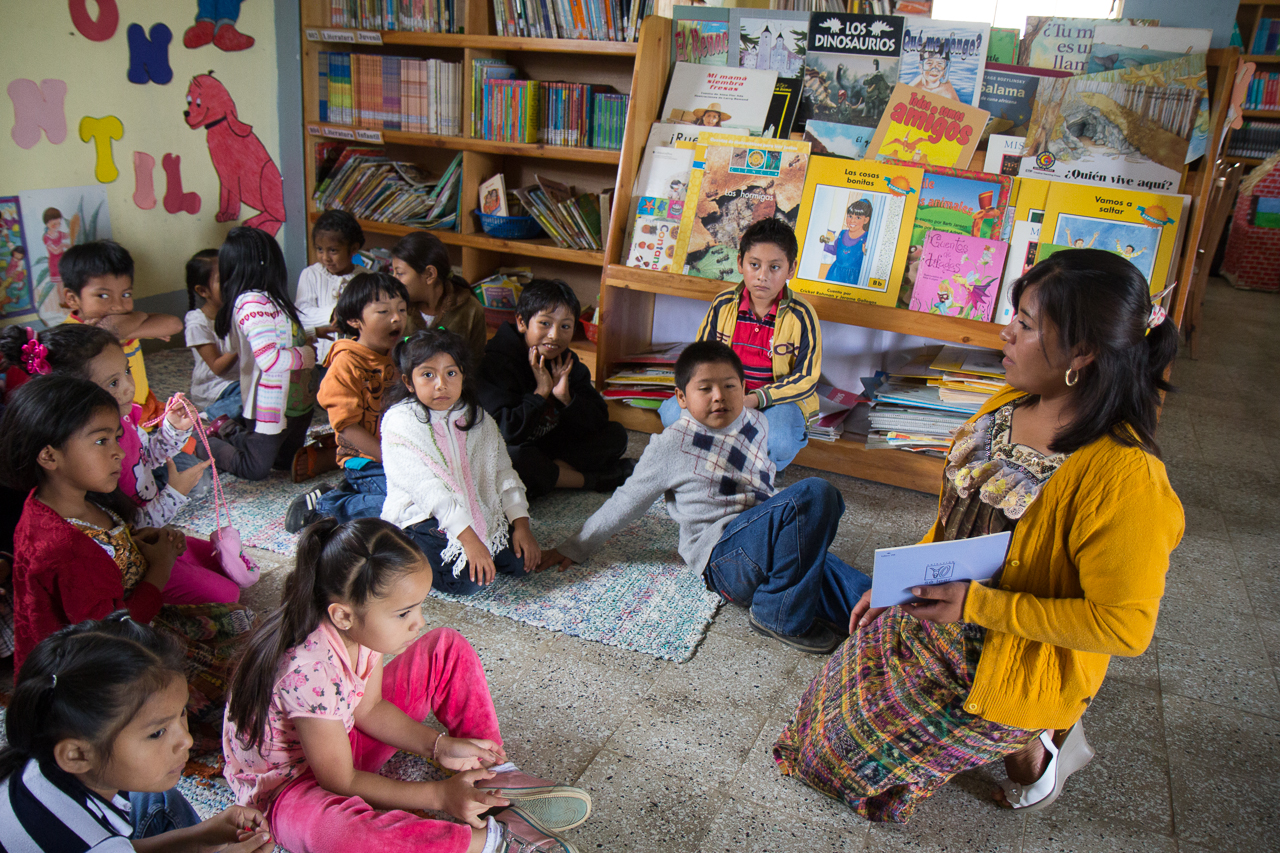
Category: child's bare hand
[158,548]
[177,537]
[184,481]
[560,369]
[553,558]
[541,374]
[479,560]
[177,416]
[525,544]
[238,829]
[460,753]
[466,802]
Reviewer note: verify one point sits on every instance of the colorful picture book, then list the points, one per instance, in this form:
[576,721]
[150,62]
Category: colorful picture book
[711,96]
[16,296]
[700,34]
[959,276]
[851,66]
[944,58]
[1003,45]
[840,140]
[1008,93]
[854,228]
[1140,226]
[658,200]
[1116,48]
[493,196]
[1028,206]
[1064,43]
[768,39]
[927,129]
[734,182]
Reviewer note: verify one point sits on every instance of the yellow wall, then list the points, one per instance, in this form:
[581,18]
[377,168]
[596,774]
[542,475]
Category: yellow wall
[38,41]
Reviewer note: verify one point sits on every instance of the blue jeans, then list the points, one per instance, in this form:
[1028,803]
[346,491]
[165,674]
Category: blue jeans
[154,813]
[787,433]
[773,559]
[431,539]
[228,403]
[361,496]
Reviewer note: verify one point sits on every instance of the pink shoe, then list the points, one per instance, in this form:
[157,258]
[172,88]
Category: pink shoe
[549,807]
[520,836]
[198,35]
[230,39]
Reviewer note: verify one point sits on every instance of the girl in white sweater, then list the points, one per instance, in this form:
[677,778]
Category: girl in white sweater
[450,483]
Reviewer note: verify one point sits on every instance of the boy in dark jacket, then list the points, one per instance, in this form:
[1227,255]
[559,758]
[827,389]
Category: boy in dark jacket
[554,421]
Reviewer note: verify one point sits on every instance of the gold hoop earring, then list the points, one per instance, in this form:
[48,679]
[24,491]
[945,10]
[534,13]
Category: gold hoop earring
[1072,377]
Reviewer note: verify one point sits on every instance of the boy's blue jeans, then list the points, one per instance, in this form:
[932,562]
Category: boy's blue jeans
[787,433]
[154,813]
[361,496]
[773,559]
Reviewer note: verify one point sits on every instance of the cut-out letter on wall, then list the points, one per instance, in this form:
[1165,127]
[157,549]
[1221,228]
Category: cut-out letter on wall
[149,58]
[144,184]
[102,131]
[95,29]
[175,200]
[36,108]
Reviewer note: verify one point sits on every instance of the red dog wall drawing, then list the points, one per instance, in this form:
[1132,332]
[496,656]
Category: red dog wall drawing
[245,169]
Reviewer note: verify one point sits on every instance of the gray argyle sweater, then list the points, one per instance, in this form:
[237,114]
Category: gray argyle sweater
[707,477]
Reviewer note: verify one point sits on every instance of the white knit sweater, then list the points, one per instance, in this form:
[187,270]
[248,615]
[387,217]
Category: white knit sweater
[461,479]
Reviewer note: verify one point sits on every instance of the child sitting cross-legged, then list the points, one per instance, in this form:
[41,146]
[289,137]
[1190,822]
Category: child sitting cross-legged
[555,423]
[450,483]
[776,334]
[759,548]
[215,377]
[315,713]
[371,308]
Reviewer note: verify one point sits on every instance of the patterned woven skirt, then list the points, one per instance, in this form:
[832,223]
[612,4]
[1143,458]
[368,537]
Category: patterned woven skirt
[883,725]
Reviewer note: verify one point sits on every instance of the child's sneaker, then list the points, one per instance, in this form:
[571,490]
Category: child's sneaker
[548,806]
[521,836]
[818,640]
[302,511]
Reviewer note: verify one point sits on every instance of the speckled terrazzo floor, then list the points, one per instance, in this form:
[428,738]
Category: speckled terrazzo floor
[676,756]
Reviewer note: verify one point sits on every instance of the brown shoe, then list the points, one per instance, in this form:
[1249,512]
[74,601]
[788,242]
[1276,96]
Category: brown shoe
[314,459]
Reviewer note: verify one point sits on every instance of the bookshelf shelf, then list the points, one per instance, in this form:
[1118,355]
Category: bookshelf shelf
[372,38]
[1261,113]
[463,143]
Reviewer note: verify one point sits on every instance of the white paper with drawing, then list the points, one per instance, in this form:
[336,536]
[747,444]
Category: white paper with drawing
[897,570]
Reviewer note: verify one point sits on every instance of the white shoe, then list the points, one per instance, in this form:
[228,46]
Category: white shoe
[1074,753]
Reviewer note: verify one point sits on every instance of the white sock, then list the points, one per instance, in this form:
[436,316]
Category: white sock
[508,767]
[495,835]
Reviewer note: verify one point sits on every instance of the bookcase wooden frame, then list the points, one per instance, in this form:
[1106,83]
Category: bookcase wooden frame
[627,294]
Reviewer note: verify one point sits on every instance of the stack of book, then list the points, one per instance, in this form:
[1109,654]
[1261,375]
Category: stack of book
[834,407]
[570,112]
[410,16]
[369,186]
[573,220]
[598,20]
[1264,92]
[645,379]
[391,93]
[1255,139]
[1266,40]
[608,119]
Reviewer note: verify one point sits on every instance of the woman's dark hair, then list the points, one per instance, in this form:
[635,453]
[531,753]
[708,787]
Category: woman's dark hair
[364,288]
[421,250]
[350,563]
[546,294]
[1099,304]
[251,260]
[106,670]
[71,346]
[341,223]
[45,412]
[199,273]
[419,347]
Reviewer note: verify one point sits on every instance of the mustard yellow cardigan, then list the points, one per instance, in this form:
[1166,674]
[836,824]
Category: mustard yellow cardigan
[1082,581]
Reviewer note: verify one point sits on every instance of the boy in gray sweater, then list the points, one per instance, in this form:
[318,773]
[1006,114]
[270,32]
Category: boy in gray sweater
[757,547]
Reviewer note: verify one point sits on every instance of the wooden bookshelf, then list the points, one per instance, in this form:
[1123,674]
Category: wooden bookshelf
[474,253]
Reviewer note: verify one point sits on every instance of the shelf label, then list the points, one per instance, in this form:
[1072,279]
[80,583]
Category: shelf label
[374,136]
[312,35]
[335,132]
[368,37]
[314,130]
[338,35]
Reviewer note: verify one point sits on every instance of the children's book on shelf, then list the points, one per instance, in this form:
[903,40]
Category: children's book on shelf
[959,276]
[854,228]
[658,202]
[783,108]
[851,66]
[1030,197]
[927,129]
[1002,47]
[1117,48]
[1004,155]
[839,140]
[734,182]
[669,133]
[1140,226]
[711,96]
[482,71]
[768,38]
[700,34]
[1064,43]
[493,196]
[944,58]
[1008,93]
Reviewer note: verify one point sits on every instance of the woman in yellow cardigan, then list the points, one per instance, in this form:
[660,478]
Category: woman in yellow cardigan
[1064,456]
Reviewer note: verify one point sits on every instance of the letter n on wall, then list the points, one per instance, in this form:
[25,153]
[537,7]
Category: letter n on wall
[149,58]
[36,108]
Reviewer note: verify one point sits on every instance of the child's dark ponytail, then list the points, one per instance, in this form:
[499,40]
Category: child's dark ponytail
[425,345]
[86,681]
[351,563]
[251,261]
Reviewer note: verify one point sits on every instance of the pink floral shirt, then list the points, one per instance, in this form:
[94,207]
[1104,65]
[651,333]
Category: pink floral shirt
[315,679]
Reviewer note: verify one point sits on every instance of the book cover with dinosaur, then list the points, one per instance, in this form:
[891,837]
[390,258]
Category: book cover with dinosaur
[734,182]
[850,67]
[854,228]
[959,276]
[945,58]
[927,129]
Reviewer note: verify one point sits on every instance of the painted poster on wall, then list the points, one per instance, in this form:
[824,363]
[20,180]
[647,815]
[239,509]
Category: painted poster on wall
[53,221]
[15,268]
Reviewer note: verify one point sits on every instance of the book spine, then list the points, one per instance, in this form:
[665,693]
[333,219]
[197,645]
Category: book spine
[322,87]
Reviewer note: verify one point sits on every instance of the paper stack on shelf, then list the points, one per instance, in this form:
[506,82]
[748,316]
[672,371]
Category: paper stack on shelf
[369,186]
[834,407]
[645,379]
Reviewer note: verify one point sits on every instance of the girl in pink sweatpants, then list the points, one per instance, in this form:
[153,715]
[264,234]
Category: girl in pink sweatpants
[314,714]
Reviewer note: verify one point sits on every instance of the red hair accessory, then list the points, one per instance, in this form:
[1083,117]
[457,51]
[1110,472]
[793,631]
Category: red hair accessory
[35,355]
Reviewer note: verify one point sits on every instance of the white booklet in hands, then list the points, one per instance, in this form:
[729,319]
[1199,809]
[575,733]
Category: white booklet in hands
[897,570]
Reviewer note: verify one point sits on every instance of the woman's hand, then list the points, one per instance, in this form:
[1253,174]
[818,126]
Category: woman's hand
[177,416]
[463,800]
[941,603]
[183,482]
[553,558]
[525,544]
[863,613]
[479,560]
[461,753]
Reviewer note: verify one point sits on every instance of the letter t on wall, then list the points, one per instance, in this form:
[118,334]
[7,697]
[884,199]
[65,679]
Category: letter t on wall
[102,131]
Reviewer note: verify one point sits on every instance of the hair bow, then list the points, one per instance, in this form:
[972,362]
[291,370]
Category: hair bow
[35,355]
[1158,312]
